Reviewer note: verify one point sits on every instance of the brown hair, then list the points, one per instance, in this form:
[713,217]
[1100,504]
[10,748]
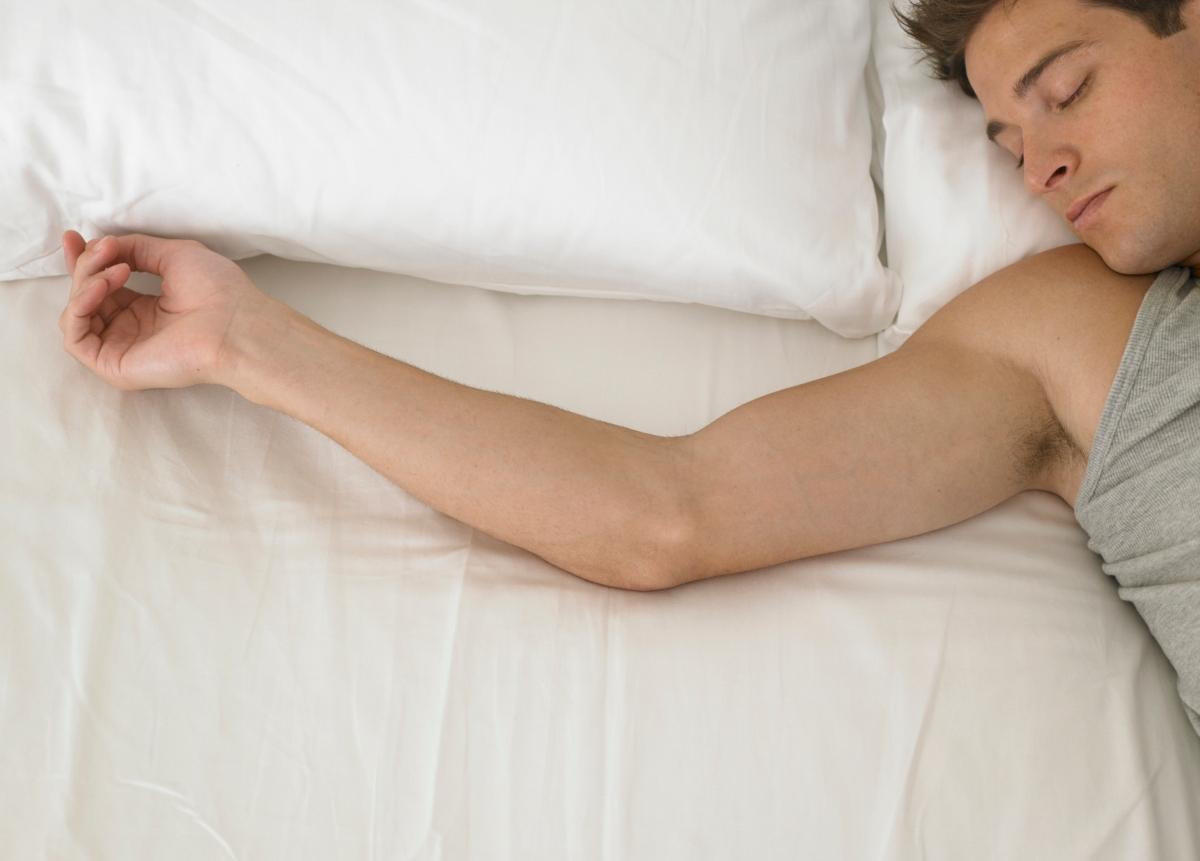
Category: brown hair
[941,28]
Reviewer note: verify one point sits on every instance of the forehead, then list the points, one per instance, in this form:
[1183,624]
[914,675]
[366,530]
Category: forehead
[1014,34]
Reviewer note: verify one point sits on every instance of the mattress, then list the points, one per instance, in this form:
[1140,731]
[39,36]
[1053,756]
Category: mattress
[223,636]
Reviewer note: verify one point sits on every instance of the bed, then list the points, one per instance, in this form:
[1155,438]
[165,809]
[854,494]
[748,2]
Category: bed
[226,637]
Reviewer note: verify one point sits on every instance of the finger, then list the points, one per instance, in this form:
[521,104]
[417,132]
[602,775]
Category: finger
[73,246]
[139,251]
[78,338]
[117,301]
[145,253]
[84,303]
[94,257]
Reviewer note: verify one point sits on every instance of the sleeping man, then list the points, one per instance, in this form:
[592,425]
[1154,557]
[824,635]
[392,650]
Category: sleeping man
[1074,372]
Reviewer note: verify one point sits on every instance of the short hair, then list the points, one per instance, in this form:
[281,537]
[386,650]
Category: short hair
[941,28]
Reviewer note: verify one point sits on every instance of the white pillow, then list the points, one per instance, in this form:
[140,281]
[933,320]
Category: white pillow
[709,152]
[956,208]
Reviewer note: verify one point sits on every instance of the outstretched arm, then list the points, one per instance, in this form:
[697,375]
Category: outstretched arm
[946,427]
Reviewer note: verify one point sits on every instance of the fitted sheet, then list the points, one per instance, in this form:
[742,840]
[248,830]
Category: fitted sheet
[223,636]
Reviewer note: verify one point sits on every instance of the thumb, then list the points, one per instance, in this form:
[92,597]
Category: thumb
[145,253]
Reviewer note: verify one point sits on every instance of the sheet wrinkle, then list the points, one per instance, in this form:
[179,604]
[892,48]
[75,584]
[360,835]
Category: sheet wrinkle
[1140,796]
[434,797]
[71,761]
[904,799]
[448,13]
[76,772]
[610,818]
[271,429]
[115,585]
[236,40]
[266,579]
[260,758]
[389,708]
[122,210]
[550,55]
[184,806]
[637,32]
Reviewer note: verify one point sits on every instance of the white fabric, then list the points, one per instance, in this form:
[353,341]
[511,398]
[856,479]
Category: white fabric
[956,208]
[707,152]
[223,636]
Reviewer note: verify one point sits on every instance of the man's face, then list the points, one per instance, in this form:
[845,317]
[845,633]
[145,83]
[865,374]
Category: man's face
[1120,111]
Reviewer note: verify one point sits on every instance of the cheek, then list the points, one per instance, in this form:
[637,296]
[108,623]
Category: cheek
[1146,110]
[1114,130]
[1140,135]
[1119,125]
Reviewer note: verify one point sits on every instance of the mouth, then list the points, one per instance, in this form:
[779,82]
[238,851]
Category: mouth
[1083,211]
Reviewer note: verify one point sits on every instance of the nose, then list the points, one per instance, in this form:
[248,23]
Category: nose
[1047,170]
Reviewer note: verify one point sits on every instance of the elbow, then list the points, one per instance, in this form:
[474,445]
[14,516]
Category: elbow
[649,561]
[657,525]
[657,560]
[662,561]
[635,579]
[667,555]
[638,576]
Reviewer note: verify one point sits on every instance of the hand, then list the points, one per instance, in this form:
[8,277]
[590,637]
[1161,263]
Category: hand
[137,341]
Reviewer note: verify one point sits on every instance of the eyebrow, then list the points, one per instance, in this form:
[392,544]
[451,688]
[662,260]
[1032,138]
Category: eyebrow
[1021,87]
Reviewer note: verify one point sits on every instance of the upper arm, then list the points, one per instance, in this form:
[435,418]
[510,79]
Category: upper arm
[950,425]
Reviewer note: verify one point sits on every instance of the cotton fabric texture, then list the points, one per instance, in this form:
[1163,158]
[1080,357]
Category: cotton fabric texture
[1138,499]
[705,152]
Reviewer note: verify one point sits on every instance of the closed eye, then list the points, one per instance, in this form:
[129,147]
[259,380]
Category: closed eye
[1062,106]
[1076,94]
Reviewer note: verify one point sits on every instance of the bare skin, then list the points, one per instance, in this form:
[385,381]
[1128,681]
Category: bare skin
[1123,111]
[1000,392]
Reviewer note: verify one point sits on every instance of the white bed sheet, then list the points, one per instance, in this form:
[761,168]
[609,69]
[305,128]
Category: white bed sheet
[223,636]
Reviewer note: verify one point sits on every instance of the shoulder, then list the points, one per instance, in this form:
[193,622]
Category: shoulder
[1064,317]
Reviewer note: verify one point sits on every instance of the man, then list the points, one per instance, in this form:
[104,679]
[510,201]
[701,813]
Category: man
[1000,392]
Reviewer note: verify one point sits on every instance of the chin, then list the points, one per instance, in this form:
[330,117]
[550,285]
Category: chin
[1125,266]
[1128,257]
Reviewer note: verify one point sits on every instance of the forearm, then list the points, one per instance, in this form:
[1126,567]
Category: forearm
[593,498]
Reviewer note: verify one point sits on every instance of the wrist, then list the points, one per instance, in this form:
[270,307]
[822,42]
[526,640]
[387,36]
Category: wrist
[260,324]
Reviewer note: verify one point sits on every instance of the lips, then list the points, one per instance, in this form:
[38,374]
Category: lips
[1080,205]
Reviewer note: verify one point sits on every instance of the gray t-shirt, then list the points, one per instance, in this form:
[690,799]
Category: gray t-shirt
[1140,498]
